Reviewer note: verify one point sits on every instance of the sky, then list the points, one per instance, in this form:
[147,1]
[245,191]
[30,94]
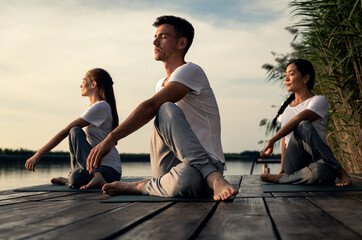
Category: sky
[47,46]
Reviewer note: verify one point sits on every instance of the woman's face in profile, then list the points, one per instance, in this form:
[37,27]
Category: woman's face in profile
[293,78]
[86,86]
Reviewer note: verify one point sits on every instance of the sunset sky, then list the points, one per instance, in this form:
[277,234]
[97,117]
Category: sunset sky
[46,47]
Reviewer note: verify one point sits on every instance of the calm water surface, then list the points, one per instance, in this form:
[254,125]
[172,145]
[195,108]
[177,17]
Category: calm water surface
[15,175]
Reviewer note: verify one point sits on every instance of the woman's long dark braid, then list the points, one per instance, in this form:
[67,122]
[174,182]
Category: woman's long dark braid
[282,108]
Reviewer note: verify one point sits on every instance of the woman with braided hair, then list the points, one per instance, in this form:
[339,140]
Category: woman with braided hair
[98,121]
[306,157]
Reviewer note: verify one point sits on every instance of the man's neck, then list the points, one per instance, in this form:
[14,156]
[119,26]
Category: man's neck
[171,66]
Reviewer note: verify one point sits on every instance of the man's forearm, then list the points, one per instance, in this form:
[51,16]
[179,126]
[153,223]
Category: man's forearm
[137,119]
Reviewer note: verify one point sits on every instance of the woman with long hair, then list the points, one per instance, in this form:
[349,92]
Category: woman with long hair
[306,157]
[98,121]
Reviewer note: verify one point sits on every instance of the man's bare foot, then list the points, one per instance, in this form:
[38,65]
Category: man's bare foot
[344,179]
[222,189]
[96,182]
[59,180]
[272,178]
[119,188]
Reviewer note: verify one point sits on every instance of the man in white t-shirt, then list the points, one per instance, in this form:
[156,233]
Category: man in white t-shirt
[186,152]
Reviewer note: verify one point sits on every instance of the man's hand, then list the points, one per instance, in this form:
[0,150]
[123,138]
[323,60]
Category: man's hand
[97,154]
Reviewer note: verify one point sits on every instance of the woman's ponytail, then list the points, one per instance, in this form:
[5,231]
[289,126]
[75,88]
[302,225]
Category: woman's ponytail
[105,87]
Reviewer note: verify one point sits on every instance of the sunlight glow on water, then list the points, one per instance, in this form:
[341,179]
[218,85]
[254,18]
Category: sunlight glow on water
[16,176]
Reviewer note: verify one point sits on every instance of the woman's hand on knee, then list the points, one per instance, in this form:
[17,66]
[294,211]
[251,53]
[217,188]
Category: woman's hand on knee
[268,149]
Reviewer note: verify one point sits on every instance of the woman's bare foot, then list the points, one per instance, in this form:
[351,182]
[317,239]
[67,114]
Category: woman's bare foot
[272,178]
[96,182]
[59,180]
[119,188]
[344,179]
[222,189]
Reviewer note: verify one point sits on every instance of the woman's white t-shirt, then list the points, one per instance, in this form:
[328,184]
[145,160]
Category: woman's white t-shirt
[199,106]
[319,105]
[99,115]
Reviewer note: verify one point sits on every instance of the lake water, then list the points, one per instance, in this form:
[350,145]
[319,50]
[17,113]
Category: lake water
[14,175]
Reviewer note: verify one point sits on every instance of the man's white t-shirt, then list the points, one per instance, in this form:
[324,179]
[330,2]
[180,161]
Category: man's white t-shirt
[319,105]
[199,106]
[99,115]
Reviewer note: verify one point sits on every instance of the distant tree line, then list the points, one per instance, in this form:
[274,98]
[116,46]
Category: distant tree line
[23,154]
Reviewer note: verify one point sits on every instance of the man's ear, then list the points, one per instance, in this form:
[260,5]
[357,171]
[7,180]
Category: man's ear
[182,43]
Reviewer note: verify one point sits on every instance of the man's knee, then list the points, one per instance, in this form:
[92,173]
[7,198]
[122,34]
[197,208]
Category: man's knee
[168,114]
[167,110]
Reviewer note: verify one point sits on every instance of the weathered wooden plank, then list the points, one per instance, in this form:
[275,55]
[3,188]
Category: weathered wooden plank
[107,224]
[335,194]
[25,212]
[6,192]
[357,197]
[245,218]
[233,179]
[356,179]
[345,209]
[49,216]
[18,195]
[298,218]
[81,196]
[180,221]
[356,175]
[250,187]
[36,197]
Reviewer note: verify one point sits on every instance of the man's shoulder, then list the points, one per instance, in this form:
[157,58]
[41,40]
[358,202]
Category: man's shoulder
[191,69]
[191,65]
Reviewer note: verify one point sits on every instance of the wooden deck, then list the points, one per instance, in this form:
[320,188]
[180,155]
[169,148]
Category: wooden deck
[252,215]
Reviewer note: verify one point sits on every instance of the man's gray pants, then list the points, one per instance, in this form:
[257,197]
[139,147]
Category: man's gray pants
[179,162]
[308,159]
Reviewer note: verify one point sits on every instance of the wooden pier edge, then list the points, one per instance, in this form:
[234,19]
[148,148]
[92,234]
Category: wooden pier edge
[251,215]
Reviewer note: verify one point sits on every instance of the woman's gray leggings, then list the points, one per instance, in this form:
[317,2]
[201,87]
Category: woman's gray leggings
[308,159]
[79,150]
